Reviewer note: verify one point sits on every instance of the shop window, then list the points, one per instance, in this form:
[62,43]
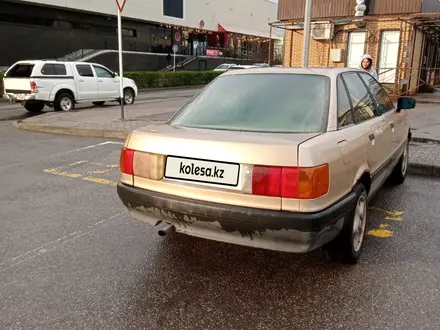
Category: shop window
[173,8]
[356,48]
[389,54]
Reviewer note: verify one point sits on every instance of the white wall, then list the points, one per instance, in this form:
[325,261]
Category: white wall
[249,14]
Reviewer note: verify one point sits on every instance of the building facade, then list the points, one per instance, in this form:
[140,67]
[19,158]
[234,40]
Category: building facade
[55,28]
[401,36]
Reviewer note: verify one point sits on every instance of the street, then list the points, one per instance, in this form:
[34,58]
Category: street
[72,258]
[10,112]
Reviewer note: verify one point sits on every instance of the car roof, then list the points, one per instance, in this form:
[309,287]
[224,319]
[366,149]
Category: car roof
[330,72]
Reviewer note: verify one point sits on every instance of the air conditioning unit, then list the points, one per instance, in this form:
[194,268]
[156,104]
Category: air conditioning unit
[322,31]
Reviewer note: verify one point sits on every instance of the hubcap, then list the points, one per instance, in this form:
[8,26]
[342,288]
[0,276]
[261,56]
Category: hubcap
[66,104]
[128,98]
[359,223]
[405,161]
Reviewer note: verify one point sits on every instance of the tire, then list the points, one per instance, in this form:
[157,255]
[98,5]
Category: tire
[64,102]
[347,247]
[128,96]
[34,106]
[99,104]
[398,175]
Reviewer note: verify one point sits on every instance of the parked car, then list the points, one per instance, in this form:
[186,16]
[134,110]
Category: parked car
[242,67]
[223,67]
[261,65]
[63,84]
[288,161]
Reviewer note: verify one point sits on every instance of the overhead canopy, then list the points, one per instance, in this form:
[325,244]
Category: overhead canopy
[239,30]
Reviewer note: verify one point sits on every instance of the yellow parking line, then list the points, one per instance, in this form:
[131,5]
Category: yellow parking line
[99,180]
[55,171]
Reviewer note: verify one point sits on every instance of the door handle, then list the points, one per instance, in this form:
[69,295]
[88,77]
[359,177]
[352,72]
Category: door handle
[99,80]
[81,80]
[392,127]
[371,137]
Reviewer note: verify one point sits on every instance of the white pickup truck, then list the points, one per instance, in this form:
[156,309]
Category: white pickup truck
[63,84]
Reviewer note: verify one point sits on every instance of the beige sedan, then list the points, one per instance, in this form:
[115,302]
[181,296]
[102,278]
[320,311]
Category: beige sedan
[281,159]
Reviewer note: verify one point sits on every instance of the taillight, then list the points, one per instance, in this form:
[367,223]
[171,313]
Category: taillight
[291,182]
[34,88]
[126,164]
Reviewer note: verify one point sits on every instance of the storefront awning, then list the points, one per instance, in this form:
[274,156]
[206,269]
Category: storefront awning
[239,30]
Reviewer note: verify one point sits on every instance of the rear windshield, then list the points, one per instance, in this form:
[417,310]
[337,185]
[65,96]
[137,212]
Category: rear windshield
[20,71]
[277,103]
[223,66]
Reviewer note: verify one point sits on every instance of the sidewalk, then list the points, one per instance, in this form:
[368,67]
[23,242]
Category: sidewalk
[106,123]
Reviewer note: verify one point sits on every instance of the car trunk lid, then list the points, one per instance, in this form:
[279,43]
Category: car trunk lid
[17,79]
[212,165]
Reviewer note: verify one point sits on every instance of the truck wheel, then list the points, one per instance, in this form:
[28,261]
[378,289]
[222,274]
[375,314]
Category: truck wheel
[99,104]
[34,106]
[64,102]
[348,245]
[128,96]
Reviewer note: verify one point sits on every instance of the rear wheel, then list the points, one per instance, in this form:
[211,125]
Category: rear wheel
[348,246]
[399,173]
[64,102]
[99,104]
[34,106]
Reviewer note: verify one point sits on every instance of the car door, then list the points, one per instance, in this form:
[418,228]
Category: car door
[377,129]
[107,83]
[396,120]
[86,82]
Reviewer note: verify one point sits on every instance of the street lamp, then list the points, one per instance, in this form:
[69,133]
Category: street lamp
[307,23]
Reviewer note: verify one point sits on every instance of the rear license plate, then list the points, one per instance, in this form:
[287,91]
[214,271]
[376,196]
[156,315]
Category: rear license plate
[198,170]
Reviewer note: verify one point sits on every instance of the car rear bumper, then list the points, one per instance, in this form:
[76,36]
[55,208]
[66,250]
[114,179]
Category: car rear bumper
[19,97]
[267,229]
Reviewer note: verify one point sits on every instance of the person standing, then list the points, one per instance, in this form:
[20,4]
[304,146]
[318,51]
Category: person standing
[367,66]
[169,59]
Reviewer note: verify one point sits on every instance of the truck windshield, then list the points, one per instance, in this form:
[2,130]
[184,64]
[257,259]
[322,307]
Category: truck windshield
[272,103]
[20,71]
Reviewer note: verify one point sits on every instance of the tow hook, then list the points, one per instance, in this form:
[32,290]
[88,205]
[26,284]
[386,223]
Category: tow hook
[167,230]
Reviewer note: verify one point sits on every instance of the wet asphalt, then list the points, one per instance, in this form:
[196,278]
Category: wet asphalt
[71,257]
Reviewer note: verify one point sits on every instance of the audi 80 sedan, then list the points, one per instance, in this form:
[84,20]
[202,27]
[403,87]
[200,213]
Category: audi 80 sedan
[281,159]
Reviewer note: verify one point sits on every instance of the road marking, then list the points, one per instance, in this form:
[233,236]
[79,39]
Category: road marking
[29,255]
[98,172]
[393,215]
[382,233]
[100,180]
[89,176]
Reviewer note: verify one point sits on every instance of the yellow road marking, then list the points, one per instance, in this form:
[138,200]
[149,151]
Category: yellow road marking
[382,233]
[56,171]
[382,226]
[100,180]
[392,215]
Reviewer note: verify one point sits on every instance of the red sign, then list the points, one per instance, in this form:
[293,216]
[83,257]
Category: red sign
[177,36]
[121,5]
[212,52]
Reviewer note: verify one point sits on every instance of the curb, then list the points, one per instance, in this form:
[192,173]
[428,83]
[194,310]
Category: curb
[428,101]
[159,89]
[73,131]
[421,169]
[424,140]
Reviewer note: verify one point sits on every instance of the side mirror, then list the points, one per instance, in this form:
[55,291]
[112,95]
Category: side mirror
[406,103]
[115,74]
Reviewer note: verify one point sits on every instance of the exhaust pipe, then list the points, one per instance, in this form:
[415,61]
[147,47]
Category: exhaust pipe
[167,230]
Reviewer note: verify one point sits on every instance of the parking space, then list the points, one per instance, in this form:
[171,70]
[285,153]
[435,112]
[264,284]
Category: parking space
[71,257]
